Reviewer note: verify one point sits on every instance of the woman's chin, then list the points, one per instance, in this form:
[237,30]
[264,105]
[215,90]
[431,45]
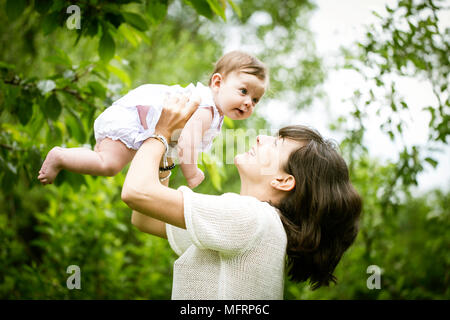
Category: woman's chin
[237,159]
[243,159]
[239,162]
[240,159]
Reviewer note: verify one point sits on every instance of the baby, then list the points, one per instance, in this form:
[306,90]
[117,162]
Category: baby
[237,84]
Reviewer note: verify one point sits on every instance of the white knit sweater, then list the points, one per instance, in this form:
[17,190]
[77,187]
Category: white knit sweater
[234,247]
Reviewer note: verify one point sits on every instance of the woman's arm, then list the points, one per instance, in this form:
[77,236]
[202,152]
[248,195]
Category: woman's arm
[151,225]
[148,225]
[142,190]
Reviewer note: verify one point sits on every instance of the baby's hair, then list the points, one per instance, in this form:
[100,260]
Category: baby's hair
[238,61]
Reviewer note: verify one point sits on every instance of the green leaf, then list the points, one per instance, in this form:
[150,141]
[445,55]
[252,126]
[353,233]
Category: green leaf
[57,61]
[8,181]
[11,94]
[130,34]
[97,89]
[213,171]
[24,111]
[52,107]
[60,178]
[101,71]
[236,8]
[75,180]
[228,122]
[11,168]
[14,8]
[379,82]
[4,65]
[42,6]
[122,75]
[202,7]
[218,9]
[39,243]
[75,127]
[114,18]
[106,47]
[157,10]
[431,161]
[34,162]
[50,22]
[393,106]
[61,58]
[135,21]
[92,27]
[391,135]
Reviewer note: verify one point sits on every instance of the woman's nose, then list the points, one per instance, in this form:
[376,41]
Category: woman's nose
[260,139]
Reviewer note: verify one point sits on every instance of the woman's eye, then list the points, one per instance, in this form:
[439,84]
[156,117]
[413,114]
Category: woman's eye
[244,91]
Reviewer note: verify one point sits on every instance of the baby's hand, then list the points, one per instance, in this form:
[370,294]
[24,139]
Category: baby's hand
[196,179]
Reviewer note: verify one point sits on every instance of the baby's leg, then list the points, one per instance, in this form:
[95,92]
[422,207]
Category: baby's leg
[107,159]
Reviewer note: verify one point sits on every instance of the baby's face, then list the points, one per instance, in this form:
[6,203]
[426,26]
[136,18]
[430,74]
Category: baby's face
[237,94]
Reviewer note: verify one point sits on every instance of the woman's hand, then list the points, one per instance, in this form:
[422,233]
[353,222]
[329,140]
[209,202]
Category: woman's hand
[175,113]
[142,190]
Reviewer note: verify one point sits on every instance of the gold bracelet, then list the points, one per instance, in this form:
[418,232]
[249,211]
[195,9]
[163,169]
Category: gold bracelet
[166,177]
[163,140]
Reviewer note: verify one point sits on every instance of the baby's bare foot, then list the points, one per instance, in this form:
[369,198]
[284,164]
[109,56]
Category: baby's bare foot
[51,166]
[196,180]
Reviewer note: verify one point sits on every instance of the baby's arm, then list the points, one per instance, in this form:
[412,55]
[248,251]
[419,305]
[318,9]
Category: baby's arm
[189,145]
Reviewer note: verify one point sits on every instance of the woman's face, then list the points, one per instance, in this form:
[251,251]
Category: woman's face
[266,158]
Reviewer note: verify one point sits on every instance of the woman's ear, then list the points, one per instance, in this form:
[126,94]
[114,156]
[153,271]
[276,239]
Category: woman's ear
[283,183]
[216,81]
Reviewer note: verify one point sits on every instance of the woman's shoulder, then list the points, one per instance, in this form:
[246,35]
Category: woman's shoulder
[240,203]
[266,215]
[227,195]
[243,218]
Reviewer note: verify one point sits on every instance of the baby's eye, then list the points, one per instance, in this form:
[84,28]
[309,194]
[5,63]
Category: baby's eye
[244,91]
[255,100]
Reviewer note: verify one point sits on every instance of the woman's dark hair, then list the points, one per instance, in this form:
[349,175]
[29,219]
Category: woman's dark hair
[321,214]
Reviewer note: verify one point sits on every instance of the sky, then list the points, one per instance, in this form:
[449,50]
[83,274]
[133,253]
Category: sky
[341,23]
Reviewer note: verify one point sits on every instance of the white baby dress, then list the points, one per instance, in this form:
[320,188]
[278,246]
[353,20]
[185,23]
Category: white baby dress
[121,120]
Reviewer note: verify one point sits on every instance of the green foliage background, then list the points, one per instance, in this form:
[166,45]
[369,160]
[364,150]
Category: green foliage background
[54,82]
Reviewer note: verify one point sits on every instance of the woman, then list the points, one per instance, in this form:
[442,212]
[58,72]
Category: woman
[296,208]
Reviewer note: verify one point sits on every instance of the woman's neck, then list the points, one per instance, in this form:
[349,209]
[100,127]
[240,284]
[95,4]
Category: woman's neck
[255,191]
[261,192]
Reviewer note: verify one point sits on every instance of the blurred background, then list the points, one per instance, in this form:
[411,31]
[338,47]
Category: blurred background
[373,75]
